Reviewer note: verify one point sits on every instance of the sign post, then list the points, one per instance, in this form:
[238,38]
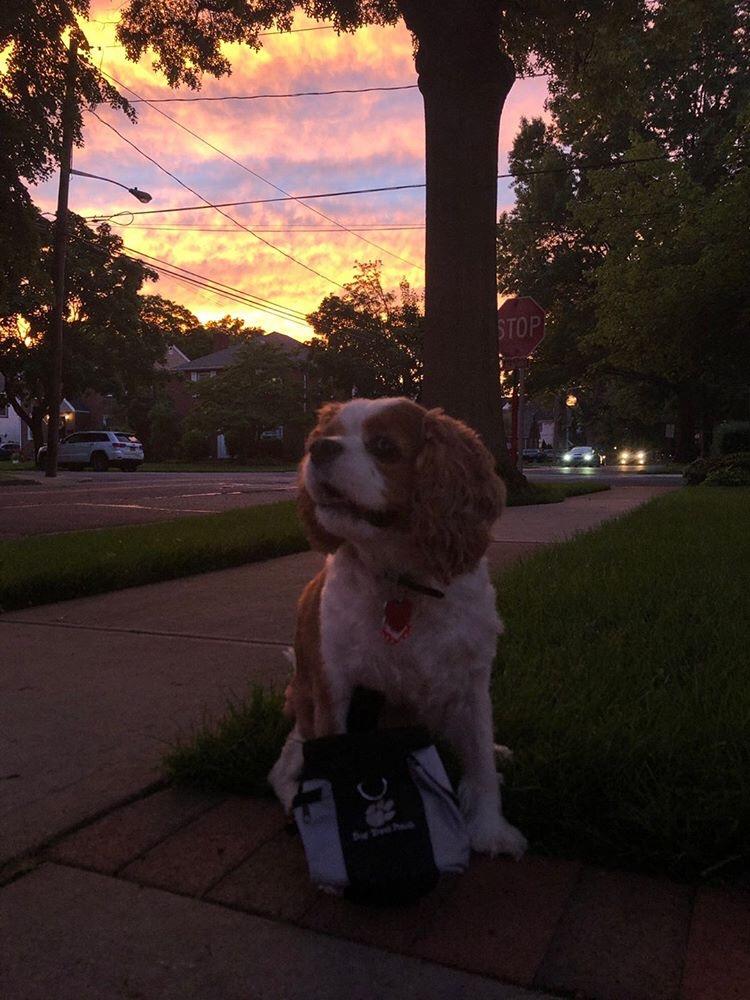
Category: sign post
[520,326]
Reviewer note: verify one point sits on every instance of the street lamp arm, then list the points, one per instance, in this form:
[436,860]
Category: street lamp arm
[142,196]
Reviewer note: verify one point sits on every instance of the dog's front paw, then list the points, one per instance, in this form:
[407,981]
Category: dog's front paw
[496,835]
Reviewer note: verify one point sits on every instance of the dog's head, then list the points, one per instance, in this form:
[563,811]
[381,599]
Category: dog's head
[387,472]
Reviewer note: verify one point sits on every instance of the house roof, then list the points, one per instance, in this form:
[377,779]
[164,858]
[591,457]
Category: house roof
[221,359]
[210,362]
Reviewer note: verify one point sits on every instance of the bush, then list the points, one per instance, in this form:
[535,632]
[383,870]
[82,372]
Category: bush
[731,437]
[697,471]
[734,476]
[195,445]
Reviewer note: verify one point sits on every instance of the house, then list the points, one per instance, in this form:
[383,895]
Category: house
[12,428]
[225,353]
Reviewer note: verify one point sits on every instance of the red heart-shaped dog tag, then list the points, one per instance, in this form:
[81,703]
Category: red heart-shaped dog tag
[396,620]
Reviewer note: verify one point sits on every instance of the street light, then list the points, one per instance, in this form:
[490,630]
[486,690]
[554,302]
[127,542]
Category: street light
[59,254]
[143,196]
[570,402]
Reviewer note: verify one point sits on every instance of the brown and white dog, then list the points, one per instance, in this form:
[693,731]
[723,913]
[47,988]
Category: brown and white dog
[403,500]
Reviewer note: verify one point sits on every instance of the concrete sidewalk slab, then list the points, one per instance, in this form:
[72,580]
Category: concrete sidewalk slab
[718,958]
[78,934]
[254,603]
[545,523]
[621,937]
[85,717]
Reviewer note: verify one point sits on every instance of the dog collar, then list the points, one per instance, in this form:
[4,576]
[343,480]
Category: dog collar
[406,581]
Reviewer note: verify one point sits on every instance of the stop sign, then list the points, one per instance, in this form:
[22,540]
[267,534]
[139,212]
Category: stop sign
[520,324]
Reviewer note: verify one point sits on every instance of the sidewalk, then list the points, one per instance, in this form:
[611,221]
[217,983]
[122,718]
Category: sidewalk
[93,691]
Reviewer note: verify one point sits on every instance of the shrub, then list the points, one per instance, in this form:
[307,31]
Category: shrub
[731,437]
[734,476]
[194,445]
[697,471]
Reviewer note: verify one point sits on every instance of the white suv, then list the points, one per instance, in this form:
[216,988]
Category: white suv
[99,449]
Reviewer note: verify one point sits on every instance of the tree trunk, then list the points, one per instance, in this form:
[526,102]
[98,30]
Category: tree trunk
[464,79]
[33,418]
[684,445]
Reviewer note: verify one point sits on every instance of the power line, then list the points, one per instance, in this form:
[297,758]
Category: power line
[377,190]
[262,97]
[298,93]
[254,173]
[208,204]
[278,229]
[218,292]
[293,313]
[207,284]
[291,31]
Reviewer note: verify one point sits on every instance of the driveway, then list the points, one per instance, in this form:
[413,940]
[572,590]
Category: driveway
[77,500]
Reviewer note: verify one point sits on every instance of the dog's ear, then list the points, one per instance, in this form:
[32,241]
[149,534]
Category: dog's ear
[319,538]
[456,499]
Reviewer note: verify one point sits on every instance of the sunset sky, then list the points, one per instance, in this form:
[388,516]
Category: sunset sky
[303,145]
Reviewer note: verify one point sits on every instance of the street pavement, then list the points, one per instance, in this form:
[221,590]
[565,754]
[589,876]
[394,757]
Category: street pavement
[78,500]
[82,500]
[612,475]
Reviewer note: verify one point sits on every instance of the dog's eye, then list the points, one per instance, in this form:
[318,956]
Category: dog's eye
[384,449]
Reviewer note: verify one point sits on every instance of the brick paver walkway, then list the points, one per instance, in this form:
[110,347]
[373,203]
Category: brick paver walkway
[541,923]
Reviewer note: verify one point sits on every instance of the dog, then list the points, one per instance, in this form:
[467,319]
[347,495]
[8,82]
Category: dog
[403,500]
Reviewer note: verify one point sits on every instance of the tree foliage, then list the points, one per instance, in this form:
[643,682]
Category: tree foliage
[33,41]
[177,325]
[368,341]
[259,391]
[641,267]
[107,350]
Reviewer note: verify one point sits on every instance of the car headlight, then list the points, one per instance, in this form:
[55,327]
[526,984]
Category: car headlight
[567,457]
[624,456]
[641,456]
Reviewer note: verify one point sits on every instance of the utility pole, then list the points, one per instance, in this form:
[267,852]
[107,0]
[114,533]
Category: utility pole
[57,317]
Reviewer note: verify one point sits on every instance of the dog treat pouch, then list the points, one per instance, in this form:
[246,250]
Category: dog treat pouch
[377,815]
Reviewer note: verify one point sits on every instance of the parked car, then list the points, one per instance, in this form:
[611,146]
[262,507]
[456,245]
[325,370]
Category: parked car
[538,454]
[8,450]
[99,449]
[583,455]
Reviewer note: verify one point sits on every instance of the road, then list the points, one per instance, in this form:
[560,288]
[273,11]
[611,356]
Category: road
[79,500]
[612,475]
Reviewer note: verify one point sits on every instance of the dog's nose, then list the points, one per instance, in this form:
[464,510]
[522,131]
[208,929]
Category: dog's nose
[324,450]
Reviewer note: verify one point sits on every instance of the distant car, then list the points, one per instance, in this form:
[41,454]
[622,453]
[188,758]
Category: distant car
[8,450]
[533,455]
[632,456]
[99,449]
[583,455]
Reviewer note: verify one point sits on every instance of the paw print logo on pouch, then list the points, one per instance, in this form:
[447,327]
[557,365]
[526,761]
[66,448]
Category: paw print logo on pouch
[380,812]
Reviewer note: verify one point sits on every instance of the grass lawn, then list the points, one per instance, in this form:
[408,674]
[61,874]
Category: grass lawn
[538,493]
[622,685]
[17,466]
[45,568]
